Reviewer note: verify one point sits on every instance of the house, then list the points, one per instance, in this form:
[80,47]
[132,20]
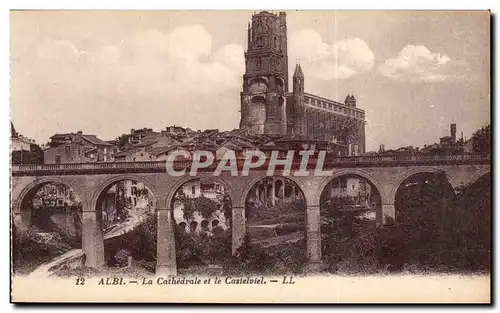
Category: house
[162,141]
[24,150]
[161,153]
[136,135]
[177,130]
[18,141]
[138,154]
[78,148]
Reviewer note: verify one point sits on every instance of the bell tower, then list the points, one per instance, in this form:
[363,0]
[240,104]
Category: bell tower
[265,82]
[298,117]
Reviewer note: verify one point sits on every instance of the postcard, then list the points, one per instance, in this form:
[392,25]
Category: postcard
[250,157]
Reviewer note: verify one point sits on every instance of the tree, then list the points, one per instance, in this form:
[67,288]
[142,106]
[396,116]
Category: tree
[123,140]
[481,140]
[205,206]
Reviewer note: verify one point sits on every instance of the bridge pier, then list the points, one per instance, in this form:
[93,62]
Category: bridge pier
[166,263]
[22,220]
[388,214]
[238,224]
[92,238]
[313,238]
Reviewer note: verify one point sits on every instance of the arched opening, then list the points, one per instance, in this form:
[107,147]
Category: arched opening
[281,101]
[205,205]
[126,210]
[350,205]
[257,85]
[275,210]
[425,205]
[469,240]
[182,227]
[258,99]
[280,84]
[193,228]
[205,225]
[428,191]
[50,225]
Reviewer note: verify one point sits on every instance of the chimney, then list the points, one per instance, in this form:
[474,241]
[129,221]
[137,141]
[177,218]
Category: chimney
[381,149]
[453,132]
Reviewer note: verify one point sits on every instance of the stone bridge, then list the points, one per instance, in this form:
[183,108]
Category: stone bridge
[89,180]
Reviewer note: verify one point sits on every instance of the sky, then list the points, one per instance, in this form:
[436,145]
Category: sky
[106,72]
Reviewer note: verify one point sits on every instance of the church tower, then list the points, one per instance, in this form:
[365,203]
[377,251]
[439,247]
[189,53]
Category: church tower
[265,82]
[298,117]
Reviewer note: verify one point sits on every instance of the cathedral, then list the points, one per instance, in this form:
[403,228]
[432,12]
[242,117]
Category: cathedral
[268,106]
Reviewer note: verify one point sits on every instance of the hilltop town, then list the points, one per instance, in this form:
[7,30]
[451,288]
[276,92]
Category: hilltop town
[146,144]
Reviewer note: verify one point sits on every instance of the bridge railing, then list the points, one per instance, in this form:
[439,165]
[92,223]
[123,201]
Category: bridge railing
[329,162]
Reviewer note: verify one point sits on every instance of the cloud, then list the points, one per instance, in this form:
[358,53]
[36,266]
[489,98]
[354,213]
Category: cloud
[417,63]
[151,78]
[341,59]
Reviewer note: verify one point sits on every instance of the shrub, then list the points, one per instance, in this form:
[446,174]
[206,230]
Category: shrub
[150,266]
[33,248]
[204,205]
[121,257]
[290,258]
[218,248]
[253,258]
[189,251]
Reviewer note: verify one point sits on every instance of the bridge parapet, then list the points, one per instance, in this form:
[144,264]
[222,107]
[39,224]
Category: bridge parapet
[330,162]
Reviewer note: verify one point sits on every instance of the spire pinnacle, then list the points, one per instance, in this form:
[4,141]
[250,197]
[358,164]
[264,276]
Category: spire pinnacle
[298,71]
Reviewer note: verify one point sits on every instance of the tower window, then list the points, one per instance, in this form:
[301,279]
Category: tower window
[259,40]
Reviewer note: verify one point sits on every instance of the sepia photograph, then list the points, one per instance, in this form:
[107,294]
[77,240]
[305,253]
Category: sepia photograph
[250,156]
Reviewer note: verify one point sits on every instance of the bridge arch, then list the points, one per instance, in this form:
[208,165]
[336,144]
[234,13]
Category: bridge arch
[478,175]
[255,180]
[33,187]
[273,217]
[349,172]
[408,174]
[109,182]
